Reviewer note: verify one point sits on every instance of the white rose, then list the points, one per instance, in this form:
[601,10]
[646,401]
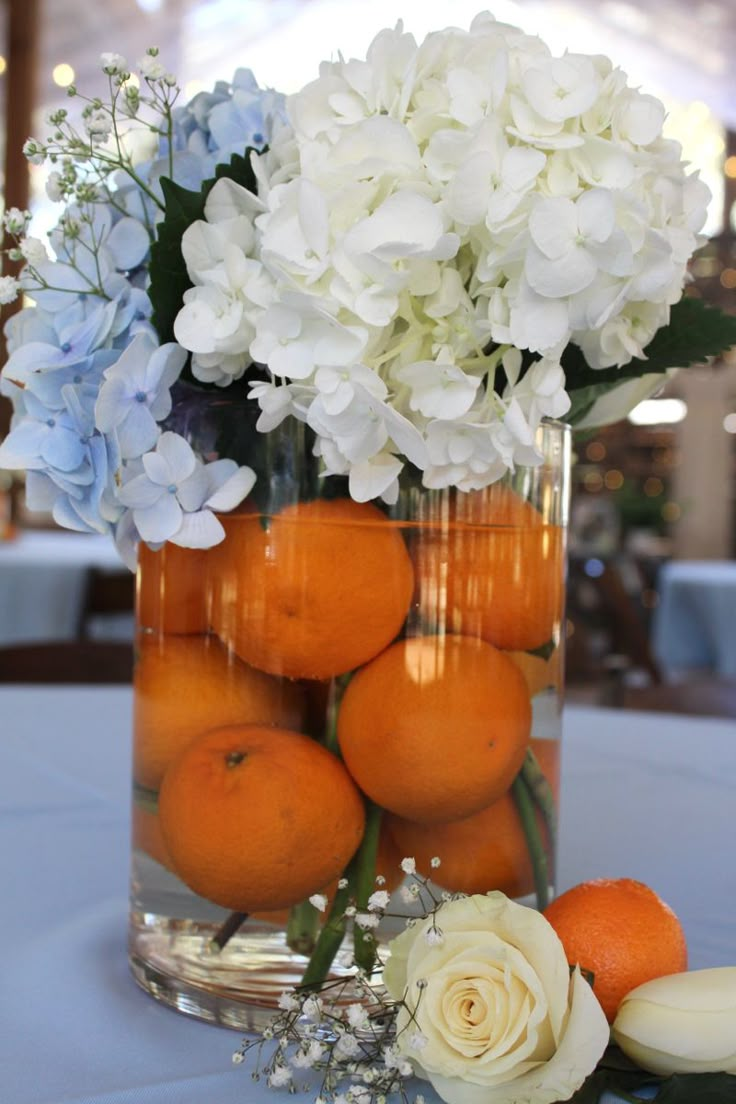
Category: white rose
[505,1023]
[683,1023]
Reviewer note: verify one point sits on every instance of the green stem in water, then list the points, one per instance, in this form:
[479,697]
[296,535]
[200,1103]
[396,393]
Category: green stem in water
[302,928]
[364,884]
[328,942]
[359,884]
[338,688]
[535,843]
[542,794]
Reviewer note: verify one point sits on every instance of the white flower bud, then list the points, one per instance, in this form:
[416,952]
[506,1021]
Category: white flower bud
[151,68]
[34,152]
[9,288]
[34,251]
[113,64]
[681,1023]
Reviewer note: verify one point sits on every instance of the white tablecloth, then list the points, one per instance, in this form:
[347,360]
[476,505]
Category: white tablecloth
[42,578]
[646,796]
[694,625]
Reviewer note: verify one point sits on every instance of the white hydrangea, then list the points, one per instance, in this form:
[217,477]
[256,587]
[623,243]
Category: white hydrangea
[431,214]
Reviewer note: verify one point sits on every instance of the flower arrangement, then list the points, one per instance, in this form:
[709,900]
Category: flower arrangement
[478,1000]
[420,255]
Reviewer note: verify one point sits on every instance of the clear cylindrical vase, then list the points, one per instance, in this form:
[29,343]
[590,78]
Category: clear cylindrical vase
[335,687]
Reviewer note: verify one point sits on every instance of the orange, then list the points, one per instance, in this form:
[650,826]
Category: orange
[620,931]
[312,592]
[495,570]
[258,818]
[172,589]
[436,727]
[185,685]
[482,852]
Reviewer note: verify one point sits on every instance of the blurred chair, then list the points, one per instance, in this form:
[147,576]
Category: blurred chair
[67,661]
[107,606]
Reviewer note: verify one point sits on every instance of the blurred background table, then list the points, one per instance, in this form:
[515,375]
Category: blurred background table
[48,585]
[648,796]
[694,626]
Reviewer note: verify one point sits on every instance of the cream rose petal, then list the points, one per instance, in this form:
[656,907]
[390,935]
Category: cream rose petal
[584,1039]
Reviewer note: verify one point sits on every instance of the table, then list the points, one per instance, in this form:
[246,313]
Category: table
[644,795]
[42,577]
[694,626]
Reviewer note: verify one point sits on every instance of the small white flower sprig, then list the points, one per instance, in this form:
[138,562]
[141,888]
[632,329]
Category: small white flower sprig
[476,997]
[344,1030]
[117,133]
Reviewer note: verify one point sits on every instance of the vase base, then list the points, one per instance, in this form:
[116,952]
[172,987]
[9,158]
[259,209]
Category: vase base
[237,987]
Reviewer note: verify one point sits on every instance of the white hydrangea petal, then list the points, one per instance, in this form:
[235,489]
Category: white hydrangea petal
[194,326]
[596,215]
[228,200]
[371,478]
[563,276]
[553,226]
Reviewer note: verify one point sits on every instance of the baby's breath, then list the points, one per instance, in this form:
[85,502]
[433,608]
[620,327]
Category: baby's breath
[340,1041]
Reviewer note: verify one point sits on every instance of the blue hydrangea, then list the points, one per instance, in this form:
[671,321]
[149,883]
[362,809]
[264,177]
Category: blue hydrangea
[88,384]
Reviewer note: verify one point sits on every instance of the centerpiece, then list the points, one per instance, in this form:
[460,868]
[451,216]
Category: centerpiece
[306,361]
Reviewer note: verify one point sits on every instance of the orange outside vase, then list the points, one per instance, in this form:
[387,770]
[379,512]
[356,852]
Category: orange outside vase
[337,683]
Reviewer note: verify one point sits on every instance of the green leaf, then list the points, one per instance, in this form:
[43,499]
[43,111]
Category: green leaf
[698,1088]
[168,272]
[694,333]
[617,1075]
[582,400]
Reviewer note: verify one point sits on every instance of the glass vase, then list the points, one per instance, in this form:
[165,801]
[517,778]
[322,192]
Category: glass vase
[335,687]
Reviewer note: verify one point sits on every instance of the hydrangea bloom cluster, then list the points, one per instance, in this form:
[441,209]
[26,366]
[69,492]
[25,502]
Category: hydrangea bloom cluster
[87,377]
[430,229]
[424,206]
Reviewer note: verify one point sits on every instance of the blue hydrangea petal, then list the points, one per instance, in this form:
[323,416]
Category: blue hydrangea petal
[193,491]
[140,493]
[110,408]
[128,243]
[158,469]
[62,448]
[160,521]
[199,530]
[138,431]
[178,454]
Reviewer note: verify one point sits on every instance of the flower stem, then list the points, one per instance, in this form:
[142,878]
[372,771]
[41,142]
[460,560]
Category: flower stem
[364,883]
[302,928]
[542,794]
[328,942]
[537,853]
[226,931]
[359,879]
